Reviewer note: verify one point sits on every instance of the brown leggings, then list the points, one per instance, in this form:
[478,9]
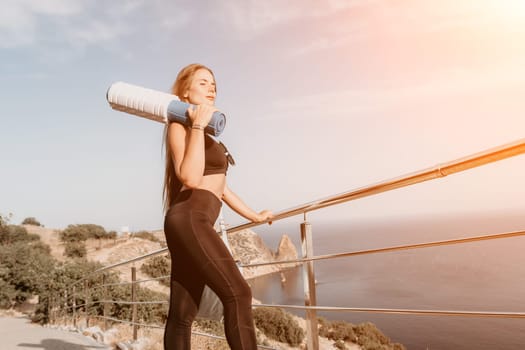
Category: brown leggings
[199,257]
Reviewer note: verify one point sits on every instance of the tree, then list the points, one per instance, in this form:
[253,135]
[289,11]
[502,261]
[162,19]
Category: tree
[158,266]
[13,233]
[24,268]
[31,221]
[94,231]
[75,249]
[82,232]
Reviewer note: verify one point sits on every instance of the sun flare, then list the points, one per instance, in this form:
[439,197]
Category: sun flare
[508,8]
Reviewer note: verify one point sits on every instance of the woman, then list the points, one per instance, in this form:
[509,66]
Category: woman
[195,184]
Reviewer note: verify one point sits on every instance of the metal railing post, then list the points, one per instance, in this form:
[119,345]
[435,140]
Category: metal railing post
[74,307]
[312,334]
[64,313]
[50,311]
[105,298]
[86,302]
[133,299]
[56,306]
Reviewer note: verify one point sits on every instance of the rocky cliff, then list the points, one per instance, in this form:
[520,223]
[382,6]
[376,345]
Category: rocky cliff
[248,248]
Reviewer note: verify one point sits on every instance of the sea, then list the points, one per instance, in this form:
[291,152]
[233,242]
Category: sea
[477,276]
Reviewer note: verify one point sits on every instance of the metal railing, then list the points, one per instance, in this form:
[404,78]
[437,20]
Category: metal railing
[308,258]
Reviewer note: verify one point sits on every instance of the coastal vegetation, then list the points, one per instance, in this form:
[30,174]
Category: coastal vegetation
[31,221]
[279,325]
[24,263]
[158,266]
[145,235]
[29,270]
[75,236]
[365,334]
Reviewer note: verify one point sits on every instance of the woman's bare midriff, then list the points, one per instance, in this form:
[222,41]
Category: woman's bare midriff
[214,183]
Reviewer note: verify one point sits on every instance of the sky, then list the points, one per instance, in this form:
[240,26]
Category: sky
[321,97]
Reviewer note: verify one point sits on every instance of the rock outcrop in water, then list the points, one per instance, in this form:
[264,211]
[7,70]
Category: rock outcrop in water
[249,248]
[286,250]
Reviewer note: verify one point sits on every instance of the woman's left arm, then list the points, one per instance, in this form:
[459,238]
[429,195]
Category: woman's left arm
[234,202]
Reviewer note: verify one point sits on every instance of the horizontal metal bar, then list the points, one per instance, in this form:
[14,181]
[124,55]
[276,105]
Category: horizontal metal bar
[397,248]
[79,305]
[209,335]
[130,302]
[130,282]
[153,279]
[138,258]
[493,314]
[499,314]
[128,322]
[438,171]
[111,284]
[79,295]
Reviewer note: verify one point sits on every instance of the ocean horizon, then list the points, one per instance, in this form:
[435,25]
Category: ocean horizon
[478,276]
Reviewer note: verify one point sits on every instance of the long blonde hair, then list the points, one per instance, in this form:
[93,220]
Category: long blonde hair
[172,184]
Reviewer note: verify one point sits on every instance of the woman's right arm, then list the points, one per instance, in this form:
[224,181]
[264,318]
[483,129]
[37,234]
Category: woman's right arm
[187,146]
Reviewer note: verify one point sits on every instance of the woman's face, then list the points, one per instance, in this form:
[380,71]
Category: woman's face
[202,88]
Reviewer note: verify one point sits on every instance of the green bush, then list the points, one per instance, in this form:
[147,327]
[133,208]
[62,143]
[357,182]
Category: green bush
[41,247]
[341,345]
[75,250]
[12,233]
[211,326]
[82,232]
[95,231]
[31,221]
[365,334]
[63,275]
[25,268]
[7,294]
[73,233]
[68,273]
[146,313]
[158,266]
[368,333]
[337,330]
[278,325]
[145,235]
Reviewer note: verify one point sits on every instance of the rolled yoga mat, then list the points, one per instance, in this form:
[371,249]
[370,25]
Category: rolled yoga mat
[157,105]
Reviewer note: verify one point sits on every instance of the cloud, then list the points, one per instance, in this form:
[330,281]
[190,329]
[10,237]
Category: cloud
[360,103]
[251,18]
[79,23]
[388,21]
[20,19]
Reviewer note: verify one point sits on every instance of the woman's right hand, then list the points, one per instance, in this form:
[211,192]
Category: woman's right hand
[201,114]
[263,216]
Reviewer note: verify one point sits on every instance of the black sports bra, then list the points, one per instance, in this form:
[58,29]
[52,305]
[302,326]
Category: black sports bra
[216,160]
[216,157]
